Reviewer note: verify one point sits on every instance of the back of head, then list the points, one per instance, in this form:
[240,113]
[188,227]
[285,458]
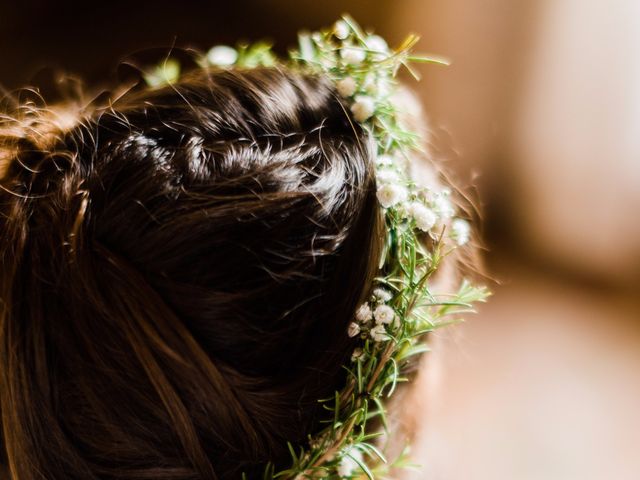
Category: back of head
[178,271]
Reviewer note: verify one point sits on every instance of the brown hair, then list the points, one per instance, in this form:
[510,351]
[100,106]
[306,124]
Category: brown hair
[178,271]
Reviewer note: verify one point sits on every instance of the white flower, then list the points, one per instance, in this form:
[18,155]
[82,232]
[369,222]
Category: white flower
[348,465]
[442,205]
[222,56]
[378,45]
[460,231]
[382,294]
[387,175]
[363,108]
[384,314]
[364,313]
[341,29]
[357,354]
[353,55]
[375,86]
[354,329]
[346,87]
[385,160]
[391,194]
[379,333]
[425,217]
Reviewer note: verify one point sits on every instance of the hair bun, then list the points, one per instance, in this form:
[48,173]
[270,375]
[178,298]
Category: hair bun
[179,270]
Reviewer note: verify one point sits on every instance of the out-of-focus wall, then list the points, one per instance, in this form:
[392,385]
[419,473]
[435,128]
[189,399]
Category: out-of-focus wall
[544,98]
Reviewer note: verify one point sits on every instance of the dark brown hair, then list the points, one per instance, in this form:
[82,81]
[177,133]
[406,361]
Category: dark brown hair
[178,271]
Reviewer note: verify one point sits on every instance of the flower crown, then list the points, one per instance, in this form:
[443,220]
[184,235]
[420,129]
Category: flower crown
[400,308]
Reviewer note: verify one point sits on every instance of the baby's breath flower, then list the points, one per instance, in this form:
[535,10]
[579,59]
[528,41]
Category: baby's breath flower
[354,329]
[460,231]
[379,333]
[387,175]
[357,354]
[363,108]
[222,56]
[353,55]
[341,30]
[391,194]
[382,295]
[348,466]
[443,206]
[346,87]
[424,217]
[378,45]
[364,313]
[384,314]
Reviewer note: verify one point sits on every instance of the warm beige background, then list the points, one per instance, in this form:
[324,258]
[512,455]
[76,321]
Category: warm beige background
[544,99]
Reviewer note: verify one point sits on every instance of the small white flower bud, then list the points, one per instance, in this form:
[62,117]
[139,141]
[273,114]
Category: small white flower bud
[442,206]
[364,313]
[354,329]
[391,194]
[384,314]
[346,87]
[353,55]
[460,231]
[341,30]
[357,354]
[222,56]
[379,333]
[363,108]
[424,217]
[382,295]
[387,175]
[348,466]
[377,44]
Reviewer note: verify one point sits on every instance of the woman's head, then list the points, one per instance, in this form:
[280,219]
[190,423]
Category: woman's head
[178,273]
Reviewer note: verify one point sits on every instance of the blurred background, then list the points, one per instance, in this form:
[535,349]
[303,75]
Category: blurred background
[540,110]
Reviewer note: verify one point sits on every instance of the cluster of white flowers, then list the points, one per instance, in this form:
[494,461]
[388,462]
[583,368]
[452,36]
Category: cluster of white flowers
[391,194]
[364,93]
[373,318]
[424,217]
[460,231]
[428,209]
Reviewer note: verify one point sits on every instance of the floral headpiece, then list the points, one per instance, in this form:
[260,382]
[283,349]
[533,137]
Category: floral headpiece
[400,309]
